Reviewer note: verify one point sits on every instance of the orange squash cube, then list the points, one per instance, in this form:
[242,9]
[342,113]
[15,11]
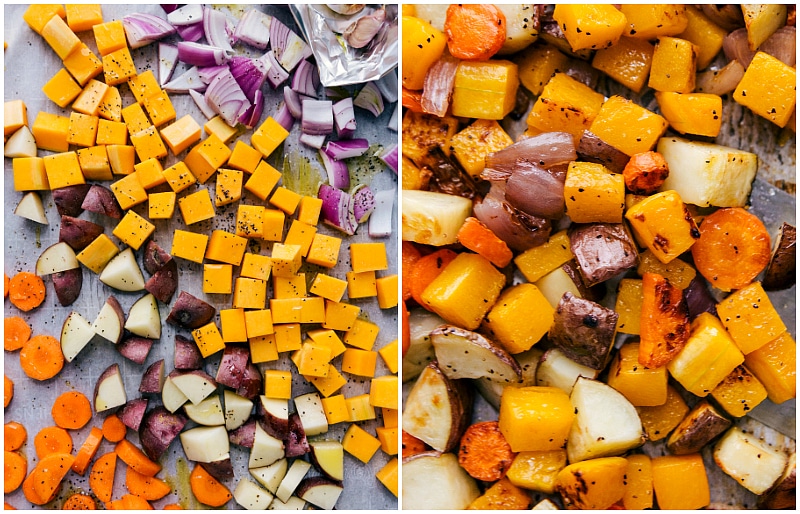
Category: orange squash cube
[672,473]
[535,418]
[774,364]
[750,318]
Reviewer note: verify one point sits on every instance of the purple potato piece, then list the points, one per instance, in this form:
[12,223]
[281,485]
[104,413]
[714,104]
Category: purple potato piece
[232,366]
[781,272]
[78,233]
[187,354]
[593,149]
[133,412]
[135,348]
[68,285]
[219,469]
[190,312]
[296,442]
[584,331]
[153,378]
[594,293]
[320,491]
[244,435]
[251,382]
[69,199]
[159,428]
[602,250]
[164,282]
[101,200]
[273,419]
[154,257]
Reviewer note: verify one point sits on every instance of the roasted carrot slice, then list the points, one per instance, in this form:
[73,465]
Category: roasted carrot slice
[484,452]
[410,255]
[412,445]
[101,478]
[733,248]
[51,471]
[50,440]
[135,458]
[71,410]
[426,269]
[664,327]
[645,172]
[474,31]
[149,488]
[16,333]
[479,238]
[26,291]
[41,357]
[207,489]
[412,100]
[87,451]
[14,435]
[79,501]
[114,430]
[8,390]
[15,467]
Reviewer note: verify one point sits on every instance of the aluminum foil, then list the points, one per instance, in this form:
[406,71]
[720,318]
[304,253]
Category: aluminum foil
[339,64]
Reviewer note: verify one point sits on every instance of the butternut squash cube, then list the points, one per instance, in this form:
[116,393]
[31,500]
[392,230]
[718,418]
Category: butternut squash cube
[368,257]
[359,443]
[361,285]
[286,260]
[94,163]
[15,115]
[133,230]
[267,137]
[774,364]
[537,64]
[387,291]
[324,250]
[208,339]
[424,132]
[593,194]
[335,409]
[390,356]
[273,224]
[256,266]
[523,301]
[607,479]
[465,290]
[121,158]
[674,65]
[148,144]
[49,130]
[278,384]
[773,99]
[217,279]
[629,305]
[359,362]
[82,129]
[143,86]
[228,187]
[29,174]
[250,221]
[565,105]
[680,274]
[671,473]
[628,127]
[312,360]
[258,323]
[63,169]
[37,15]
[118,66]
[739,392]
[287,337]
[98,253]
[196,207]
[135,118]
[329,338]
[90,99]
[642,386]
[704,33]
[263,180]
[179,177]
[159,108]
[639,483]
[541,260]
[244,157]
[750,318]
[109,36]
[206,157]
[218,127]
[471,146]
[226,247]
[329,384]
[83,64]
[592,26]
[161,206]
[501,495]
[537,470]
[181,135]
[388,438]
[692,113]
[263,349]
[328,287]
[150,173]
[289,287]
[658,421]
[189,245]
[362,334]
[649,21]
[129,191]
[285,199]
[340,315]
[485,89]
[60,37]
[628,62]
[111,132]
[309,209]
[535,418]
[82,17]
[422,46]
[61,88]
[663,222]
[249,293]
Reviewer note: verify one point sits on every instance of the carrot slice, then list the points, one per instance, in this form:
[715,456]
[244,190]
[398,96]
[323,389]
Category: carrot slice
[410,255]
[645,172]
[101,478]
[79,501]
[50,440]
[426,269]
[484,452]
[29,492]
[15,467]
[172,506]
[207,489]
[135,458]
[51,471]
[664,328]
[6,283]
[412,445]
[115,505]
[8,390]
[8,506]
[41,357]
[14,435]
[114,430]
[72,410]
[733,248]
[479,238]
[87,451]
[16,333]
[412,100]
[131,502]
[149,488]
[474,31]
[26,291]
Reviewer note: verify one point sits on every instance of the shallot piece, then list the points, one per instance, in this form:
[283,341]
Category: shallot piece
[361,31]
[536,191]
[544,150]
[520,231]
[439,82]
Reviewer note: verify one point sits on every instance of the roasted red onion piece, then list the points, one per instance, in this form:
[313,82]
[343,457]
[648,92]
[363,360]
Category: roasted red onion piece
[782,45]
[438,86]
[544,150]
[519,230]
[698,298]
[736,47]
[721,81]
[727,16]
[536,191]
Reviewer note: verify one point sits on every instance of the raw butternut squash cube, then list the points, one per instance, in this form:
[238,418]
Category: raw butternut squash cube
[465,290]
[249,293]
[263,349]
[709,355]
[593,194]
[340,315]
[390,417]
[649,21]
[29,174]
[161,206]
[308,210]
[228,187]
[327,337]
[674,65]
[226,247]
[324,250]
[109,36]
[535,418]
[268,137]
[285,199]
[189,245]
[196,207]
[663,222]
[278,384]
[289,287]
[359,362]
[63,169]
[628,62]
[258,323]
[387,291]
[181,135]
[287,336]
[61,88]
[111,132]
[256,266]
[359,443]
[704,33]
[541,260]
[49,130]
[362,334]
[389,355]
[628,127]
[328,287]
[244,157]
[523,301]
[424,132]
[37,15]
[111,106]
[15,115]
[750,318]
[82,17]
[143,86]
[118,66]
[485,89]
[218,279]
[232,324]
[263,180]
[629,305]
[471,146]
[129,191]
[537,64]
[388,474]
[159,108]
[60,37]
[361,285]
[206,157]
[592,26]
[300,234]
[208,339]
[773,99]
[423,44]
[82,129]
[739,392]
[90,98]
[565,105]
[150,173]
[286,260]
[638,483]
[313,360]
[250,221]
[335,409]
[658,421]
[537,470]
[774,364]
[671,473]
[133,230]
[388,438]
[179,177]
[121,158]
[642,386]
[148,144]
[273,224]
[368,257]
[135,118]
[218,127]
[97,254]
[329,384]
[94,163]
[83,64]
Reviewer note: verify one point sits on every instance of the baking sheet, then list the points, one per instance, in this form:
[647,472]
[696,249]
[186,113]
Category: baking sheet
[29,63]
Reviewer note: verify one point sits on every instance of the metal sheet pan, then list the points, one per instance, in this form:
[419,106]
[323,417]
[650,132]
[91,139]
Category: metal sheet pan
[29,63]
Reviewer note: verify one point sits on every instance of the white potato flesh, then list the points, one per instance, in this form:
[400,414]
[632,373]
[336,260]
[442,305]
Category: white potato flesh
[292,479]
[557,370]
[752,463]
[312,415]
[466,354]
[76,332]
[206,444]
[528,361]
[271,476]
[144,319]
[208,412]
[266,449]
[434,14]
[322,494]
[555,284]
[433,218]
[31,207]
[420,352]
[196,386]
[520,31]
[110,393]
[109,323]
[172,397]
[761,21]
[293,503]
[250,496]
[437,483]
[122,272]
[237,410]
[20,144]
[329,456]
[56,258]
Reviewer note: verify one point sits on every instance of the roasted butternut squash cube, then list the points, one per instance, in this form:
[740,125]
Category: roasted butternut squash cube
[218,279]
[286,260]
[83,64]
[161,206]
[674,65]
[707,358]
[607,479]
[285,199]
[628,127]
[258,323]
[143,86]
[135,118]
[663,223]
[628,62]
[471,146]
[679,273]
[273,224]
[525,301]
[121,158]
[565,105]
[324,250]
[592,26]
[61,88]
[244,157]
[671,474]
[250,221]
[362,334]
[179,177]
[537,470]
[704,33]
[30,174]
[308,210]
[150,173]
[773,99]
[359,362]
[91,98]
[422,46]
[340,315]
[256,266]
[98,253]
[328,287]
[289,287]
[639,483]
[750,318]
[739,392]
[263,180]
[361,285]
[485,89]
[629,305]
[208,339]
[111,132]
[424,132]
[503,494]
[642,386]
[535,418]
[593,194]
[465,290]
[649,21]
[249,293]
[537,64]
[368,257]
[658,421]
[159,108]
[268,137]
[540,260]
[774,364]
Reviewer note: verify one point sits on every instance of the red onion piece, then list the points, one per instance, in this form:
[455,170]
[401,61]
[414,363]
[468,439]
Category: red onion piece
[360,32]
[142,29]
[314,141]
[294,101]
[389,157]
[189,14]
[727,16]
[226,97]
[168,8]
[276,75]
[200,100]
[252,115]
[337,209]
[393,119]
[345,117]
[438,86]
[518,230]
[346,148]
[380,223]
[198,54]
[370,98]
[388,86]
[207,73]
[317,116]
[722,81]
[167,60]
[254,28]
[338,173]
[250,74]
[544,150]
[215,27]
[699,298]
[736,47]
[782,45]
[189,80]
[363,202]
[306,79]
[284,117]
[536,191]
[191,33]
[288,47]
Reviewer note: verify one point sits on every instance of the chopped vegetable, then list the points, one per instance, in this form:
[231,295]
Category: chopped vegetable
[14,469]
[114,430]
[14,436]
[474,32]
[16,333]
[71,410]
[8,390]
[484,452]
[79,501]
[87,451]
[101,478]
[41,357]
[26,291]
[426,269]
[50,440]
[207,489]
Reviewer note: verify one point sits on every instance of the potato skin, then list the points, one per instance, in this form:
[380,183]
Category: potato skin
[78,233]
[69,199]
[164,282]
[584,331]
[697,429]
[68,285]
[190,312]
[101,200]
[154,257]
[782,495]
[593,149]
[602,250]
[781,272]
[158,429]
